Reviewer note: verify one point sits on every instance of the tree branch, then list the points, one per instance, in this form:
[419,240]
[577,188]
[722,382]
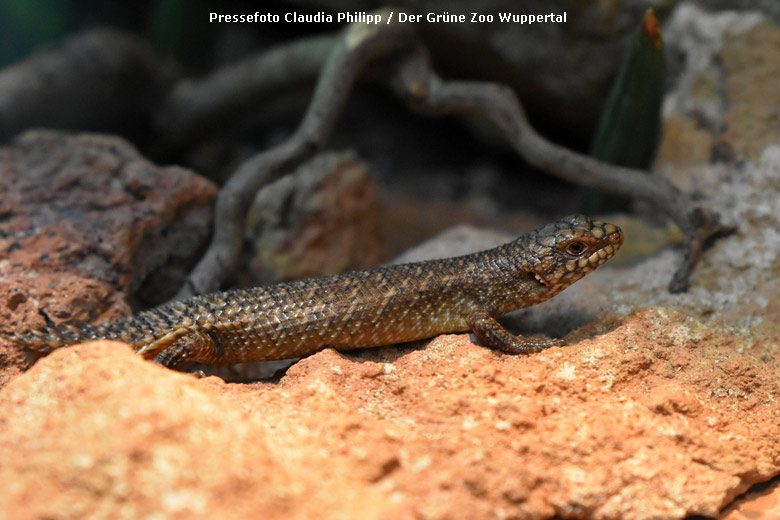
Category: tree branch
[359,44]
[195,106]
[411,77]
[415,81]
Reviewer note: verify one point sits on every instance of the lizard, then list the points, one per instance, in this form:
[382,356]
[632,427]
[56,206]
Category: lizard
[373,307]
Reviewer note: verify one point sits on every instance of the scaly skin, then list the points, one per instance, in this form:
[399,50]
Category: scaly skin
[374,307]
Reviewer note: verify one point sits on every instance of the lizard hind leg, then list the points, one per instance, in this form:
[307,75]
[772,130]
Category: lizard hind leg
[191,347]
[492,334]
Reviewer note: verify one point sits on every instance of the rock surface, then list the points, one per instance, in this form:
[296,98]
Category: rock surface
[87,224]
[762,502]
[323,218]
[720,143]
[662,405]
[729,66]
[658,418]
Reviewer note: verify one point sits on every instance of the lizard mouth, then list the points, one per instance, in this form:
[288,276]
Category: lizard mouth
[576,268]
[586,264]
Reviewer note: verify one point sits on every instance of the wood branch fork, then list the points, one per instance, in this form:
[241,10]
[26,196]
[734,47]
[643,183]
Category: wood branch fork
[407,71]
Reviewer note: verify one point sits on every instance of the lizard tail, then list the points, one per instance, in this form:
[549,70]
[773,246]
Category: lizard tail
[46,339]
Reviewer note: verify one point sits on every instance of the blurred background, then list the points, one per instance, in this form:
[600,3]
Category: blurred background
[144,63]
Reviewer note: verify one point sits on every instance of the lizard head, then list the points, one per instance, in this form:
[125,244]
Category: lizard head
[559,254]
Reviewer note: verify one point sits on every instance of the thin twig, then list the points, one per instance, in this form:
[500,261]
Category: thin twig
[359,44]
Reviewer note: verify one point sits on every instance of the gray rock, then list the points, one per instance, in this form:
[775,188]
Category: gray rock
[321,219]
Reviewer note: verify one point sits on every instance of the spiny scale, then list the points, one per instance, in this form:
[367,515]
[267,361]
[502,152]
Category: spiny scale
[374,307]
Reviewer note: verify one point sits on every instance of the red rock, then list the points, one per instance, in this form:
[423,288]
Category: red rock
[94,431]
[86,224]
[761,504]
[659,418]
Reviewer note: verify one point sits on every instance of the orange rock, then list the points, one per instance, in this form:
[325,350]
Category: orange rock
[759,504]
[659,418]
[94,431]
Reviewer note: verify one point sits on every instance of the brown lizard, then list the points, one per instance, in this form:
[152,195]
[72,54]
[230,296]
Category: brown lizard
[373,307]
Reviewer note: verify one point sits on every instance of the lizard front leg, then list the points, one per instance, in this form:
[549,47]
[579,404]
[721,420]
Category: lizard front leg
[491,334]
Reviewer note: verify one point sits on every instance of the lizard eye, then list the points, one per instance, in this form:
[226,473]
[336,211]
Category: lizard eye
[576,248]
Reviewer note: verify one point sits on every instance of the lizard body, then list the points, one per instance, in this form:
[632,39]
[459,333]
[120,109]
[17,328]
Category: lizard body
[373,307]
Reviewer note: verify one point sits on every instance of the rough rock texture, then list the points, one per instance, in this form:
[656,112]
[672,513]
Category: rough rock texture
[769,8]
[730,69]
[736,173]
[662,405]
[762,502]
[707,119]
[658,418]
[321,219]
[127,439]
[85,224]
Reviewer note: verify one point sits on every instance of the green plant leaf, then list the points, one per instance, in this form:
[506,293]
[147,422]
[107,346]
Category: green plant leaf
[627,134]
